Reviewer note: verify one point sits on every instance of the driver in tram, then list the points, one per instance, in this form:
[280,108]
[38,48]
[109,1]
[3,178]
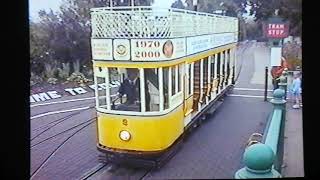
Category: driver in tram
[131,87]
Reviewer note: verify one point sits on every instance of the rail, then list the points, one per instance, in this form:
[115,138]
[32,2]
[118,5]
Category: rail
[264,159]
[154,22]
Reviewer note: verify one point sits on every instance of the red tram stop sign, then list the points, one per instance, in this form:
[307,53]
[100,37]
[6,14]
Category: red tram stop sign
[276,28]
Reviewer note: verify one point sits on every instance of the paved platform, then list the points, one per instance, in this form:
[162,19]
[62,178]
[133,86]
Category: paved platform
[293,143]
[215,149]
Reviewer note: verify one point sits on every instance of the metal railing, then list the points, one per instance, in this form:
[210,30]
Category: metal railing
[153,22]
[264,159]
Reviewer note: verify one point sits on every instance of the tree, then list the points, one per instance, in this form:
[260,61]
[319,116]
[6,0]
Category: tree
[63,38]
[288,9]
[42,44]
[178,4]
[253,30]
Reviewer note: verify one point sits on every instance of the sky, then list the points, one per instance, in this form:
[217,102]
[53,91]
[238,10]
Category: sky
[36,5]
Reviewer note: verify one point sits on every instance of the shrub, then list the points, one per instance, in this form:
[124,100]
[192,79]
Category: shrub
[292,52]
[52,80]
[64,72]
[79,78]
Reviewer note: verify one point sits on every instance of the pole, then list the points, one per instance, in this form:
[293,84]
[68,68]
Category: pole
[195,5]
[266,84]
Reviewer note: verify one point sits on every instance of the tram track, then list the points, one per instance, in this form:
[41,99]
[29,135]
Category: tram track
[93,171]
[90,121]
[59,119]
[114,171]
[60,108]
[67,130]
[47,127]
[246,46]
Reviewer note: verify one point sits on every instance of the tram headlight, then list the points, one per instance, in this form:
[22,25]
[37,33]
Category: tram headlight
[125,135]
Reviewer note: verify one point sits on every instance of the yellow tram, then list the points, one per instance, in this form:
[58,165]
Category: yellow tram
[163,69]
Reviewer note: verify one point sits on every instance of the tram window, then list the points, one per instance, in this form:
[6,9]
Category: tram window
[152,97]
[212,67]
[179,69]
[101,92]
[223,61]
[125,91]
[228,63]
[189,79]
[173,80]
[205,71]
[218,63]
[165,87]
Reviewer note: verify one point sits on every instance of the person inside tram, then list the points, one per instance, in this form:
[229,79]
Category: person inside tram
[276,72]
[131,88]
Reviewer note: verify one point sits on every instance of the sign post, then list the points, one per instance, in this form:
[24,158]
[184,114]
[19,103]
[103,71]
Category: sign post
[276,29]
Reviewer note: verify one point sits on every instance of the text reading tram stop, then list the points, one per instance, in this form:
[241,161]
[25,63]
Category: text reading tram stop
[165,68]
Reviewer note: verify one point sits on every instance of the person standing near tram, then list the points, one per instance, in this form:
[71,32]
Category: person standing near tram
[276,72]
[295,90]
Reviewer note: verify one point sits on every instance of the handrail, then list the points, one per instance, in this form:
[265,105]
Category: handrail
[264,159]
[148,21]
[98,9]
[273,134]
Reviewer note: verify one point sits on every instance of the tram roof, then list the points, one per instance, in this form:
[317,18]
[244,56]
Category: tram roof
[154,22]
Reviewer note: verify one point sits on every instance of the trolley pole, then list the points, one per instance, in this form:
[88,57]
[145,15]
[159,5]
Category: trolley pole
[195,5]
[266,84]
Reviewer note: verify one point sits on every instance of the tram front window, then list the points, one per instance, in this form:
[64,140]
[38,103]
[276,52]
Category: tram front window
[124,92]
[126,97]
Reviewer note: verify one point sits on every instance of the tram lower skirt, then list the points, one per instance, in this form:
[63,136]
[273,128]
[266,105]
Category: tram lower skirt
[140,160]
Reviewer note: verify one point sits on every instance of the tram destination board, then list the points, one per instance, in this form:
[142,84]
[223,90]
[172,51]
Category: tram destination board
[157,49]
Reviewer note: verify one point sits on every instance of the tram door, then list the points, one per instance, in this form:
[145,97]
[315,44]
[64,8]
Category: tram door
[196,85]
[205,80]
[188,91]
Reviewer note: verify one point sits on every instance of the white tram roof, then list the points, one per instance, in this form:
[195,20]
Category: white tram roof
[153,22]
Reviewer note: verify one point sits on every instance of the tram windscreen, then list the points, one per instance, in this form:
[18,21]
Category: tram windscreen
[124,92]
[125,96]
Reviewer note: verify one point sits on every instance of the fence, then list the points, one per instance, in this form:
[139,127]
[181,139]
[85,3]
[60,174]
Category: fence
[264,159]
[148,22]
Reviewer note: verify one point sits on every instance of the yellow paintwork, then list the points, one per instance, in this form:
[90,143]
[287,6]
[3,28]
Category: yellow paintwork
[151,133]
[188,59]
